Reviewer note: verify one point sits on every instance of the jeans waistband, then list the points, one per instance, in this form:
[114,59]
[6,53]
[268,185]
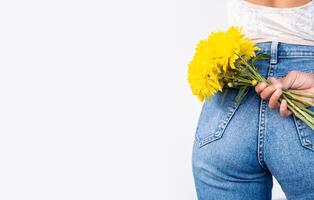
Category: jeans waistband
[280,49]
[286,57]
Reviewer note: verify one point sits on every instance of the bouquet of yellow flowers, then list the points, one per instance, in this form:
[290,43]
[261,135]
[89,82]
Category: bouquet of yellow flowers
[228,59]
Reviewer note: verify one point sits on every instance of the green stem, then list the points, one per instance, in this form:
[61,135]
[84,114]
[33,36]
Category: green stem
[305,115]
[297,114]
[295,97]
[307,110]
[302,94]
[259,77]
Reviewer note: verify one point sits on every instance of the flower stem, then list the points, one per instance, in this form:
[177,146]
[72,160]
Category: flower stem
[302,94]
[304,114]
[295,97]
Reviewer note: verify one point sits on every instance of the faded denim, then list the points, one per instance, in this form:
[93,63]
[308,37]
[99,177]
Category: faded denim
[237,149]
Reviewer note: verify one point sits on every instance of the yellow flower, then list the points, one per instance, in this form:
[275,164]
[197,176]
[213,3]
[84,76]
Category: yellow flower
[214,57]
[204,81]
[254,82]
[248,48]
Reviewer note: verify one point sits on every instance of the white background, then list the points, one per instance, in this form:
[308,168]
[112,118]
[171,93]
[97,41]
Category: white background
[94,102]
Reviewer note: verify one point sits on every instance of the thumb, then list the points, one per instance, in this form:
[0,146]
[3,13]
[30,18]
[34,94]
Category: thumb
[288,81]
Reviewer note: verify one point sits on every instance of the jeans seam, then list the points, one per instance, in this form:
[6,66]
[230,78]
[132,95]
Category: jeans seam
[263,104]
[261,131]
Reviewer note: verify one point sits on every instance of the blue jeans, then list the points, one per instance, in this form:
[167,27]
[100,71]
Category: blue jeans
[237,149]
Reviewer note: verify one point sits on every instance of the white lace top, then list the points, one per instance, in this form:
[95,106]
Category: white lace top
[261,23]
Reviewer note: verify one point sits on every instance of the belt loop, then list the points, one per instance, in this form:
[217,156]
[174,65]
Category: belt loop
[274,52]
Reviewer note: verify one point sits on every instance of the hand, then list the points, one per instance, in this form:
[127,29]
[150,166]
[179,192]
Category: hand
[294,81]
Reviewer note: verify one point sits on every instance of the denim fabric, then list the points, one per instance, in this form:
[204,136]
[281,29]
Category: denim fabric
[237,149]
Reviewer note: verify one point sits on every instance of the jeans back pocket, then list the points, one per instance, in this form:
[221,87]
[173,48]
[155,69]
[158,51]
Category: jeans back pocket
[215,116]
[305,133]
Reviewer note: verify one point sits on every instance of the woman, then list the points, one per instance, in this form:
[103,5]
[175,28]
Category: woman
[238,149]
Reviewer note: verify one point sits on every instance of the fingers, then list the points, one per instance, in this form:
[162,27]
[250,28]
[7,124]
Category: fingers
[284,112]
[289,80]
[276,83]
[269,90]
[274,99]
[274,90]
[260,87]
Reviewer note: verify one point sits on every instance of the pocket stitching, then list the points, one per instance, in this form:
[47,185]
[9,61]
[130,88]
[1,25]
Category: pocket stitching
[300,129]
[222,126]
